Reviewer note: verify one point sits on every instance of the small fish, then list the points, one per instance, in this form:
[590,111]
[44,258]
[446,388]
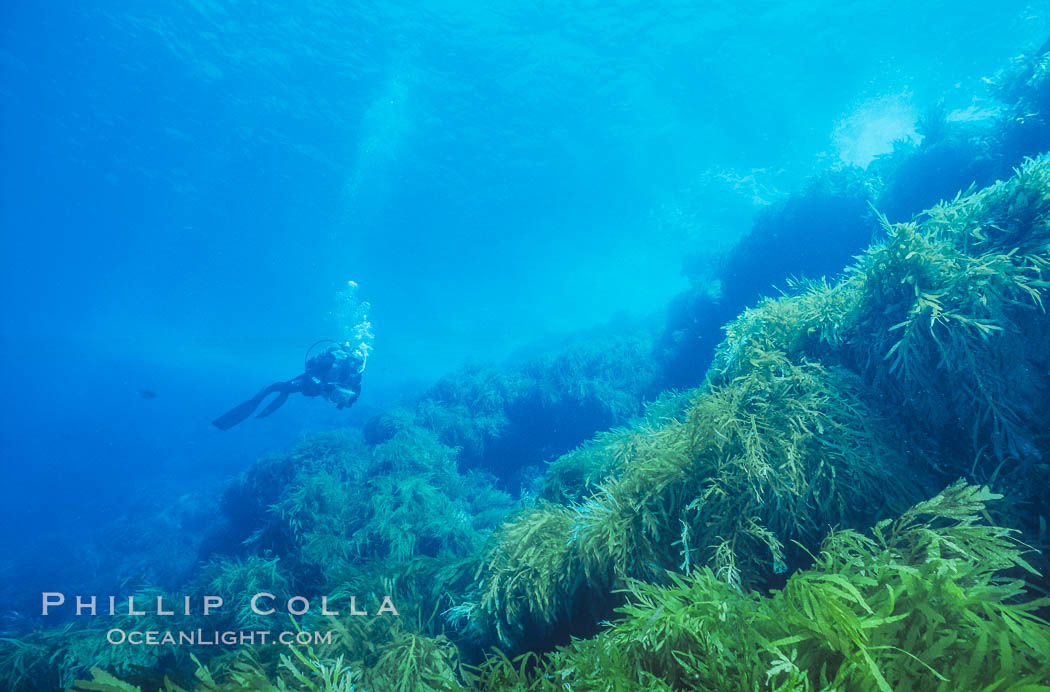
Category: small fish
[147,394]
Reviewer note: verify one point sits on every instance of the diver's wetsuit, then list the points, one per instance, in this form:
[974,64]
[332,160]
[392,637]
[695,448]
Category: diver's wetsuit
[335,374]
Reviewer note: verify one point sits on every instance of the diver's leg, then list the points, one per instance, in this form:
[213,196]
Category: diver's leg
[240,412]
[277,403]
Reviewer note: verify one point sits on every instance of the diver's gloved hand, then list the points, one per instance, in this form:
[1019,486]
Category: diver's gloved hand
[341,396]
[334,374]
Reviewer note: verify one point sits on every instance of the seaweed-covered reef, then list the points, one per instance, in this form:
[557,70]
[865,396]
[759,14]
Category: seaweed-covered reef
[832,407]
[332,516]
[504,419]
[793,523]
[919,603]
[792,518]
[924,600]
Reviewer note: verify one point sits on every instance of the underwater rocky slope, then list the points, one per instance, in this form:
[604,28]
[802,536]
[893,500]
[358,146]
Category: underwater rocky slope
[825,444]
[793,519]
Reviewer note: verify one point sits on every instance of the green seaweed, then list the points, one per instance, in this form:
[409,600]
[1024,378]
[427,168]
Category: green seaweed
[780,453]
[945,320]
[812,406]
[923,602]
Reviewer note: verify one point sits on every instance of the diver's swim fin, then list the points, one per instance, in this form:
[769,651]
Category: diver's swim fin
[277,403]
[238,413]
[241,411]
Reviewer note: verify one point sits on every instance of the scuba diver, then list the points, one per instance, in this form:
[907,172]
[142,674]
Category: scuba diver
[334,373]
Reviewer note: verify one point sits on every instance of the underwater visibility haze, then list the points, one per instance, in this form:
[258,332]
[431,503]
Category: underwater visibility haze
[593,346]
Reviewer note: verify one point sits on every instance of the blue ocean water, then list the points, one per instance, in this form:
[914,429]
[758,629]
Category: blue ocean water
[186,187]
